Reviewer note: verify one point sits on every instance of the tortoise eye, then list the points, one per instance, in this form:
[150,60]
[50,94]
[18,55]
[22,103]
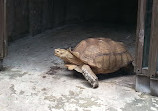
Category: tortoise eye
[57,51]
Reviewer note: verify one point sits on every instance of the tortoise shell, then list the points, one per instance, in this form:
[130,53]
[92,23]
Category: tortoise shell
[102,54]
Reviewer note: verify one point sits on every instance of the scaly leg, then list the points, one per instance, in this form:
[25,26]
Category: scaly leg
[90,76]
[73,67]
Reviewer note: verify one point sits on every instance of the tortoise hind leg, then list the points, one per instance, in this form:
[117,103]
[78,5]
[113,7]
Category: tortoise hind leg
[90,76]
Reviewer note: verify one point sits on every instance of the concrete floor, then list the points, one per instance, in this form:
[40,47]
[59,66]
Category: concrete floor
[35,80]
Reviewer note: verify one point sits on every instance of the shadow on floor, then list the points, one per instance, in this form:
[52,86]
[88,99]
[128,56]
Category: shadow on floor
[75,75]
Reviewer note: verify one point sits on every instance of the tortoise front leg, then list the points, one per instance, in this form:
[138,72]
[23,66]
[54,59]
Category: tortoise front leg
[90,76]
[73,67]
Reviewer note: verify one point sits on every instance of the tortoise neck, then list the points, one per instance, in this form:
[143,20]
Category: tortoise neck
[70,58]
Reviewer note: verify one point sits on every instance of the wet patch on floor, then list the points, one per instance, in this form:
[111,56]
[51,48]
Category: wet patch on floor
[59,71]
[144,103]
[54,69]
[13,91]
[21,92]
[72,102]
[12,74]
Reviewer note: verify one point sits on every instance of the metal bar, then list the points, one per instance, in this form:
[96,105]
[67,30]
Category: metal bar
[142,83]
[153,54]
[140,35]
[154,86]
[1,64]
[145,70]
[1,28]
[5,37]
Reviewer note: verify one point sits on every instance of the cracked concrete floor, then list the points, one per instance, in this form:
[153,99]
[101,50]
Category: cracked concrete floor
[35,80]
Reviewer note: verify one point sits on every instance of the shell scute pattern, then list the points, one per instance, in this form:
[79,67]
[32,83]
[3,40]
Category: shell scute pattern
[103,53]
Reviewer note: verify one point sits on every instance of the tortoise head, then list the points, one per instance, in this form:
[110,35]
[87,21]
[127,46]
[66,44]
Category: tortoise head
[62,53]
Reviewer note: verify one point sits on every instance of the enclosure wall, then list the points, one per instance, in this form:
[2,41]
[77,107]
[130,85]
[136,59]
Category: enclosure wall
[35,16]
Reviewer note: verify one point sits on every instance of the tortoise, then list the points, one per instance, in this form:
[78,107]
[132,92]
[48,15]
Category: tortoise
[95,56]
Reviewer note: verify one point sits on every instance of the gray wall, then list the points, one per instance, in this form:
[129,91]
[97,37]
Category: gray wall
[35,16]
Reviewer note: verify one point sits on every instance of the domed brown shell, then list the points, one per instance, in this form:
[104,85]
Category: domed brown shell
[102,54]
